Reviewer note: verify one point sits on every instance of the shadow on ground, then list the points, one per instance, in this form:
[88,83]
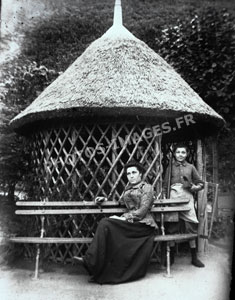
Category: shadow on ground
[71,282]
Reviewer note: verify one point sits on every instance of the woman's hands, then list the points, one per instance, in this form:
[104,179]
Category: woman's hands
[195,188]
[130,218]
[100,199]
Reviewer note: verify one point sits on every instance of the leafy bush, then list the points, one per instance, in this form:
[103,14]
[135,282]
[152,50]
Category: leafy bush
[23,83]
[202,50]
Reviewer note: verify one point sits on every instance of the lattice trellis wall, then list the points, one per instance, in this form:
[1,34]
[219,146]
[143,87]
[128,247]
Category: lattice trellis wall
[83,161]
[86,161]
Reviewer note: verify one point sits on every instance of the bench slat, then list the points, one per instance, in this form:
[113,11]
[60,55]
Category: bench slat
[92,211]
[92,204]
[66,203]
[69,211]
[169,209]
[50,240]
[171,201]
[175,237]
[61,240]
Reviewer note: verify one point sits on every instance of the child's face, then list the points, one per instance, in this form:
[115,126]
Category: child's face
[180,154]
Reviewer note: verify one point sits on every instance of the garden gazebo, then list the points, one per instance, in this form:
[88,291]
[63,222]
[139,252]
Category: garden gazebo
[119,100]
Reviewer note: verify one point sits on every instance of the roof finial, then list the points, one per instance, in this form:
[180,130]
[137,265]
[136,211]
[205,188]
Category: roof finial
[117,17]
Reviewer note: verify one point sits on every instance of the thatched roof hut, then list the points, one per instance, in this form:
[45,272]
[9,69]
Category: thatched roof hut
[118,75]
[116,102]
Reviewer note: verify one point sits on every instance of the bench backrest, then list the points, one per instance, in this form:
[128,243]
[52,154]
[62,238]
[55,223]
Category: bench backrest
[85,207]
[164,210]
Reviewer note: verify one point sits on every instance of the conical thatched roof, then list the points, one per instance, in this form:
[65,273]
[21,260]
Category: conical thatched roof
[118,75]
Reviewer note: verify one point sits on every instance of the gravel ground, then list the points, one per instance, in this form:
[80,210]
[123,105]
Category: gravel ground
[71,282]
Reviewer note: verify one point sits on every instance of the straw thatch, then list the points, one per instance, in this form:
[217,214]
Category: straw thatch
[118,75]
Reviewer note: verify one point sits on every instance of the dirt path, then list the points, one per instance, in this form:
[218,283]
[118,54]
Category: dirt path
[188,282]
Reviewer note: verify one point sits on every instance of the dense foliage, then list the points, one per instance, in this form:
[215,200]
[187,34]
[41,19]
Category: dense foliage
[200,46]
[23,83]
[202,50]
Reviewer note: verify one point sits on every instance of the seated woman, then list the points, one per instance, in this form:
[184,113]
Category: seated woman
[184,181]
[121,248]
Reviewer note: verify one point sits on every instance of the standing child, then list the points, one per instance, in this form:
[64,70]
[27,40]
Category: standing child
[184,181]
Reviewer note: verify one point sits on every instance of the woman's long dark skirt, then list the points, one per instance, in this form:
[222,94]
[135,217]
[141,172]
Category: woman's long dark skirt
[120,251]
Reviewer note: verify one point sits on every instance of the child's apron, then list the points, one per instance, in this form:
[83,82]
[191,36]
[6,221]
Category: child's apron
[177,191]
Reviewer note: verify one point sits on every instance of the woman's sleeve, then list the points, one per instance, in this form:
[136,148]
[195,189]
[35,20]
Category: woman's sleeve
[121,200]
[147,198]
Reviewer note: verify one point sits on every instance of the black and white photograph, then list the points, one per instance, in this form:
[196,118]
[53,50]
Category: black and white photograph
[117,149]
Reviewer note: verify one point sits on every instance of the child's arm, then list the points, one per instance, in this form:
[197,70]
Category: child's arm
[198,184]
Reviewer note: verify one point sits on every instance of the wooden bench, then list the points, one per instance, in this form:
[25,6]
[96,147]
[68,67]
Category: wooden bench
[45,209]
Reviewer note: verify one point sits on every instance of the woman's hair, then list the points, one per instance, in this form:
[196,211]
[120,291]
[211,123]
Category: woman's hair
[180,145]
[136,164]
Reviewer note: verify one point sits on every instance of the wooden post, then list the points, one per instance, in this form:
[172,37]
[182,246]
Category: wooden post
[202,199]
[169,176]
[213,209]
[158,143]
[72,161]
[42,218]
[215,174]
[203,224]
[114,155]
[200,158]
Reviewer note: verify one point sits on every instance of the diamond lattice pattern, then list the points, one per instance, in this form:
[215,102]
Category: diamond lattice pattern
[83,161]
